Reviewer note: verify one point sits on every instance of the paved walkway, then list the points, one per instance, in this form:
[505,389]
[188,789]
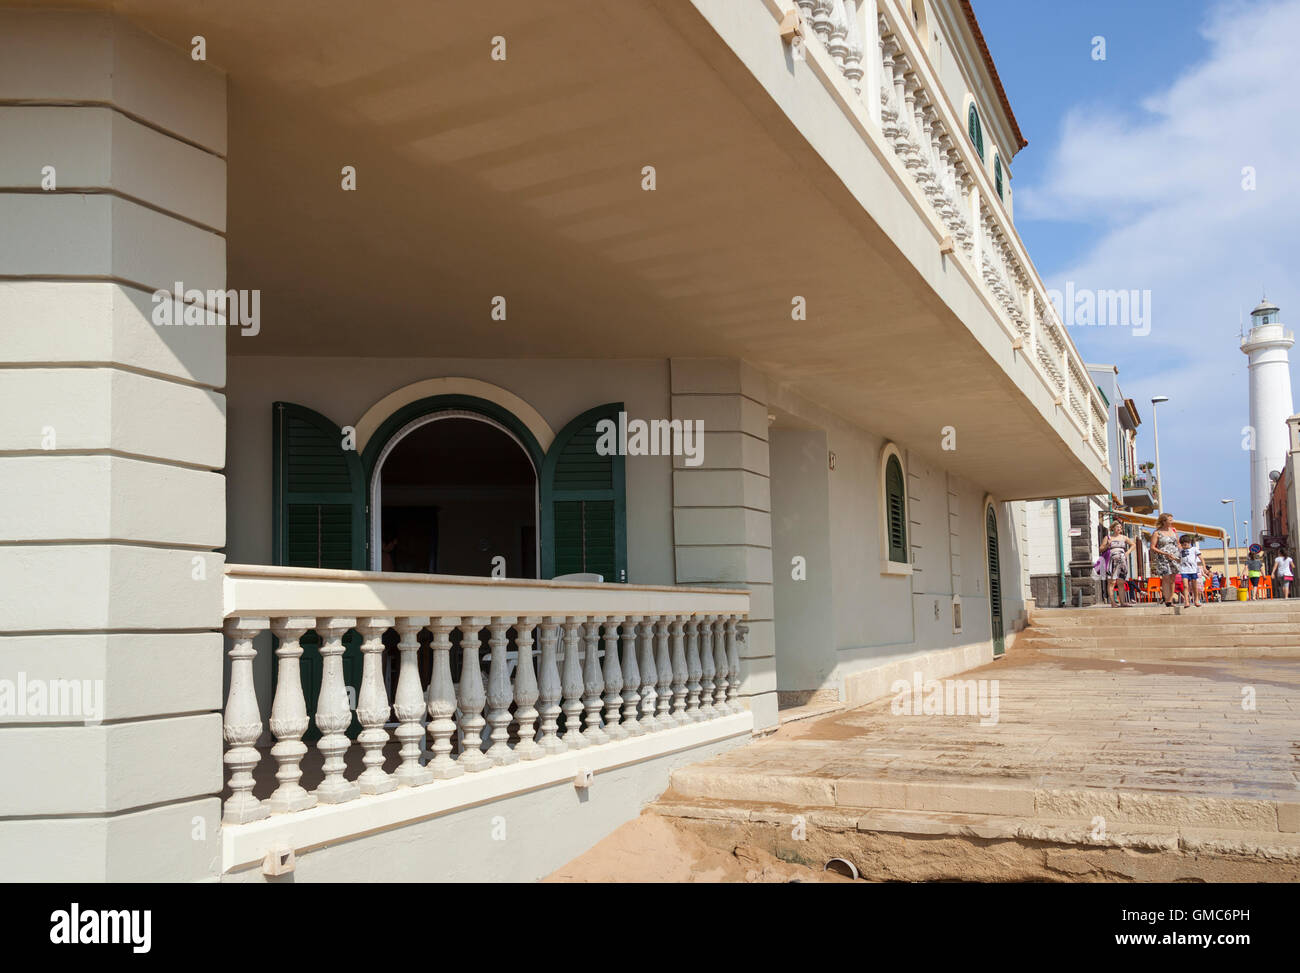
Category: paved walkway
[1159,743]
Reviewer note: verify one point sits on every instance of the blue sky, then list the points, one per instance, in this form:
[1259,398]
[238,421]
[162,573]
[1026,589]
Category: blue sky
[1133,180]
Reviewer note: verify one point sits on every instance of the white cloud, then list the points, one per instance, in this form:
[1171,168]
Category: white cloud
[1162,183]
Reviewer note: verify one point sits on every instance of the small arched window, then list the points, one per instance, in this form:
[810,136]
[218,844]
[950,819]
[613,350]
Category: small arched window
[896,510]
[997,175]
[976,131]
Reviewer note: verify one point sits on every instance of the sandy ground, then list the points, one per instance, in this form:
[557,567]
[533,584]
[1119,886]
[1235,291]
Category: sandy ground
[656,849]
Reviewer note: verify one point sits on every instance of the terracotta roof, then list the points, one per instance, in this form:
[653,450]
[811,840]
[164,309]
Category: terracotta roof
[969,11]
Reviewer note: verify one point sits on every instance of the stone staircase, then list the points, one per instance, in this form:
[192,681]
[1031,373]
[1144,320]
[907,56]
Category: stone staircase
[1258,629]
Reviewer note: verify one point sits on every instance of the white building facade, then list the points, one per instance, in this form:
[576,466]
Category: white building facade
[309,556]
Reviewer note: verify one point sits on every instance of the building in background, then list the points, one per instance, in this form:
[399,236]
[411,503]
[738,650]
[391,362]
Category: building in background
[1281,517]
[1267,347]
[1065,535]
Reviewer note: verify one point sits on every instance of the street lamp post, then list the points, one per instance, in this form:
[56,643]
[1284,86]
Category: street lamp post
[1155,433]
[1236,547]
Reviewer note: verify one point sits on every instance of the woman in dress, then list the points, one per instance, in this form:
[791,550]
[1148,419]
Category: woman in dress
[1165,554]
[1118,544]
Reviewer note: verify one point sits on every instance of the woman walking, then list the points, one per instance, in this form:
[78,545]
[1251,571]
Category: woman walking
[1118,545]
[1283,570]
[1165,556]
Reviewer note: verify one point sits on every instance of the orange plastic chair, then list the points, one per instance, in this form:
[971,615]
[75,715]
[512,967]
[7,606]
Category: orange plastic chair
[1153,589]
[1266,587]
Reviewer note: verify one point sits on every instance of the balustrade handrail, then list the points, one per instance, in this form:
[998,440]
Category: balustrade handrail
[569,665]
[936,92]
[919,129]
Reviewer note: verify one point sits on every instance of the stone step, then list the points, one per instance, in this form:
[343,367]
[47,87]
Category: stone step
[1172,641]
[1236,610]
[1191,628]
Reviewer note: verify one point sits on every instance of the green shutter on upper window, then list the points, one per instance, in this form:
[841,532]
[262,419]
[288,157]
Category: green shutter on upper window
[896,510]
[997,176]
[583,507]
[976,131]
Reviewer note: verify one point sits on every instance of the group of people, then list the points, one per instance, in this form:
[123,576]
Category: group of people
[1176,559]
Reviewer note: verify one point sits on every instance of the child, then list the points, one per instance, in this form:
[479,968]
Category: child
[1189,567]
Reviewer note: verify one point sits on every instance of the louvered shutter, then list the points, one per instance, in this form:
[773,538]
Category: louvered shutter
[318,521]
[583,504]
[896,510]
[995,586]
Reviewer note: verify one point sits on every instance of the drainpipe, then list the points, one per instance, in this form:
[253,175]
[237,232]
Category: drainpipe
[1060,555]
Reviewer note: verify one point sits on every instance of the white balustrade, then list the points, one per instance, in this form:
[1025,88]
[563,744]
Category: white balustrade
[658,674]
[928,137]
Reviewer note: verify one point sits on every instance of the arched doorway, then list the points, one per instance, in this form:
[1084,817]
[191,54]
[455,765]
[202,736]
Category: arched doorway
[995,582]
[454,492]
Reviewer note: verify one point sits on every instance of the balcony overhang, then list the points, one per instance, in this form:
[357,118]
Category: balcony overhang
[1139,499]
[523,178]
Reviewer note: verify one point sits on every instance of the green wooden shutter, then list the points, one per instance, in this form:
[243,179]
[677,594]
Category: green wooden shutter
[896,510]
[318,521]
[997,175]
[583,515]
[318,491]
[976,131]
[995,586]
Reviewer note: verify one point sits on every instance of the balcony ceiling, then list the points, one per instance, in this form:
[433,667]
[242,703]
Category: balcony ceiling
[522,178]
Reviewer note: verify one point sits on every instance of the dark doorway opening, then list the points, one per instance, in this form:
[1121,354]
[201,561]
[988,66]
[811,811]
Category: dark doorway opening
[458,495]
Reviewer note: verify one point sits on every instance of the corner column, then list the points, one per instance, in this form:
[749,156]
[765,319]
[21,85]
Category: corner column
[722,529]
[112,500]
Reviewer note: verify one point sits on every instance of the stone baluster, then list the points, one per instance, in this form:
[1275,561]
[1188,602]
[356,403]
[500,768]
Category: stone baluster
[822,21]
[471,697]
[499,693]
[903,146]
[333,715]
[613,681]
[593,683]
[837,43]
[721,665]
[693,670]
[572,687]
[242,723]
[526,691]
[289,717]
[649,674]
[707,669]
[735,628]
[853,46]
[372,707]
[664,668]
[408,703]
[806,9]
[550,689]
[442,702]
[888,104]
[924,173]
[681,672]
[631,679]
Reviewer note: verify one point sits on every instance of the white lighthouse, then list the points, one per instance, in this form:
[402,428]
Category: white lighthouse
[1266,345]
